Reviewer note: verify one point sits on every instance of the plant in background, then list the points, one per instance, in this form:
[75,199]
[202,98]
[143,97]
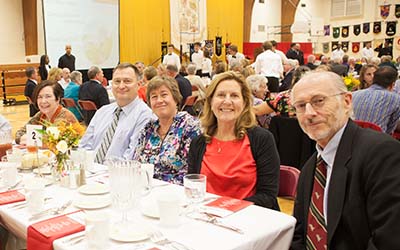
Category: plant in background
[351,82]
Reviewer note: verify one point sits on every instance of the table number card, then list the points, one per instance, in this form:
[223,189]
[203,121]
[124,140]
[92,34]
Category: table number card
[34,138]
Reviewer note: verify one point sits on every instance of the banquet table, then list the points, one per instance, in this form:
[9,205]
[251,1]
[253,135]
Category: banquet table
[263,228]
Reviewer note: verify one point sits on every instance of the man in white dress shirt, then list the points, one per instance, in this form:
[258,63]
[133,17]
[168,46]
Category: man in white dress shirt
[171,58]
[280,53]
[133,117]
[234,55]
[338,52]
[367,51]
[269,64]
[197,58]
[66,78]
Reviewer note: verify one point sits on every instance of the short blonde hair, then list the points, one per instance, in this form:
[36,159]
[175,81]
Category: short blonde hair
[169,82]
[246,119]
[53,73]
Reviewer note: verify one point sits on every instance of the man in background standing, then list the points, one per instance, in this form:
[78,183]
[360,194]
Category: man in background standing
[367,51]
[30,86]
[234,55]
[197,58]
[295,53]
[171,57]
[67,60]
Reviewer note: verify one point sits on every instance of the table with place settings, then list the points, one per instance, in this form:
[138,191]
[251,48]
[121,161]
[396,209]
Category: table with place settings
[261,228]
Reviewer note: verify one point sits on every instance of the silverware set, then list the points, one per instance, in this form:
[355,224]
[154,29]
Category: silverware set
[212,219]
[158,238]
[51,211]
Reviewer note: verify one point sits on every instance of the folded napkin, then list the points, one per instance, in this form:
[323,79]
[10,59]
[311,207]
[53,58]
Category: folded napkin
[11,197]
[224,206]
[42,234]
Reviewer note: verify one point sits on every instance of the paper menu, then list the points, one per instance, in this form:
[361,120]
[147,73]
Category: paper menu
[225,206]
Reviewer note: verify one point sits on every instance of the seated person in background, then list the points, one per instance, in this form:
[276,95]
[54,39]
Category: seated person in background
[66,77]
[92,90]
[30,86]
[378,104]
[280,103]
[259,89]
[47,97]
[165,141]
[115,127]
[311,62]
[195,80]
[72,91]
[185,88]
[4,124]
[55,74]
[348,191]
[367,75]
[288,69]
[148,73]
[387,61]
[239,158]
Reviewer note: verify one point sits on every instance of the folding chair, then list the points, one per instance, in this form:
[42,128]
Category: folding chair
[289,177]
[70,103]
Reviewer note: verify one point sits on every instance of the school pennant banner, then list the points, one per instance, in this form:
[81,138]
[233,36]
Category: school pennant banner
[327,30]
[336,32]
[218,45]
[366,27]
[345,46]
[391,28]
[377,27]
[345,31]
[355,47]
[325,48]
[385,9]
[357,29]
[334,45]
[397,11]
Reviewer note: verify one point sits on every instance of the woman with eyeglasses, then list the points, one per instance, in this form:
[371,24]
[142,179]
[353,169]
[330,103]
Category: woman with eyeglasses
[239,158]
[47,97]
[280,103]
[165,141]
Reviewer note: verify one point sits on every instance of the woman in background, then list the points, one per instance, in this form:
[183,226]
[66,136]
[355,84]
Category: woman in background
[367,75]
[239,158]
[44,67]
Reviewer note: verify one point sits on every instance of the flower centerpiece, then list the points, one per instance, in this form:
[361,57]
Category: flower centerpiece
[60,138]
[351,82]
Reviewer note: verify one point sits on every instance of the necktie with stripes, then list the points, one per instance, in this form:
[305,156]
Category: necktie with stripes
[107,139]
[316,226]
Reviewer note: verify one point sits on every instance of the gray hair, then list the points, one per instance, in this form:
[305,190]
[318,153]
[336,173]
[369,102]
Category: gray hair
[75,76]
[93,71]
[255,81]
[311,58]
[191,69]
[292,62]
[375,60]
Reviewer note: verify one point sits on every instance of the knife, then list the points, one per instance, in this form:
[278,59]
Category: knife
[213,220]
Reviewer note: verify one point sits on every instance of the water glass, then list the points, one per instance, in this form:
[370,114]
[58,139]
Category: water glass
[195,187]
[97,229]
[35,195]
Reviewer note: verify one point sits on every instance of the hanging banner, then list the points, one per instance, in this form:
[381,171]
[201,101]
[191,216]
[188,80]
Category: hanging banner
[389,41]
[325,48]
[355,47]
[327,30]
[385,9]
[164,50]
[397,43]
[191,49]
[209,45]
[345,46]
[334,45]
[366,27]
[397,11]
[218,45]
[345,31]
[188,22]
[336,32]
[391,28]
[377,27]
[357,29]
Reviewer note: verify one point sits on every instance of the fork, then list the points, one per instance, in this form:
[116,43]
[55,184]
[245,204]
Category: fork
[158,238]
[51,211]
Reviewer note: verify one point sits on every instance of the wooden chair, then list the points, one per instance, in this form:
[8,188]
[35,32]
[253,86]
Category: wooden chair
[289,177]
[87,105]
[70,103]
[195,88]
[365,124]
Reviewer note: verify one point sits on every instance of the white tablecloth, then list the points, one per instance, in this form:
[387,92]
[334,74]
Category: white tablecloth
[263,228]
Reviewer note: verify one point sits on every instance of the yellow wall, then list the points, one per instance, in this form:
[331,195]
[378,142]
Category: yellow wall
[142,22]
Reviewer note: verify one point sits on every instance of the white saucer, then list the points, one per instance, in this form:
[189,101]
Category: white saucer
[131,235]
[94,188]
[149,208]
[44,170]
[92,202]
[18,180]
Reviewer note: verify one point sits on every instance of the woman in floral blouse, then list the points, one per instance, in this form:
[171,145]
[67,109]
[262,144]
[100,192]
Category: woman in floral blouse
[165,142]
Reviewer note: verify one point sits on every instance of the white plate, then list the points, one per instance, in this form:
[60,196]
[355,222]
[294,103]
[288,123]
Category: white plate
[92,202]
[18,180]
[149,208]
[44,170]
[131,235]
[94,188]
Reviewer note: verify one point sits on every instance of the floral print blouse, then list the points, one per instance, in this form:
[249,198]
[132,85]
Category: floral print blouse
[169,156]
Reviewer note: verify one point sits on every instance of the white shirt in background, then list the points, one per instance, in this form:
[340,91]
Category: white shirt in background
[337,53]
[238,57]
[368,53]
[172,59]
[269,64]
[206,66]
[197,58]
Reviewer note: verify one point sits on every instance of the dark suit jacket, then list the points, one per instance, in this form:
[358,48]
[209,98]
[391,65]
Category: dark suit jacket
[311,66]
[95,92]
[291,54]
[364,191]
[28,91]
[184,87]
[43,72]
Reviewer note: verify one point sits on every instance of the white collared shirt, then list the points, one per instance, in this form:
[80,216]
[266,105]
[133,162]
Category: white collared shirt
[238,58]
[197,58]
[368,53]
[269,64]
[172,59]
[337,53]
[328,155]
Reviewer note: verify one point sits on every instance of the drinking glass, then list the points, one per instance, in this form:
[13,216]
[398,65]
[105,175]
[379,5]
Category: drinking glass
[5,142]
[195,188]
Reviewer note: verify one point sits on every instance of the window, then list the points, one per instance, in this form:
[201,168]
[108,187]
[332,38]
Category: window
[345,8]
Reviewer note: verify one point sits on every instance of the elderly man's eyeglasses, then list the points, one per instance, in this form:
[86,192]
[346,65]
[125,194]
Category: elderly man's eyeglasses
[316,102]
[126,81]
